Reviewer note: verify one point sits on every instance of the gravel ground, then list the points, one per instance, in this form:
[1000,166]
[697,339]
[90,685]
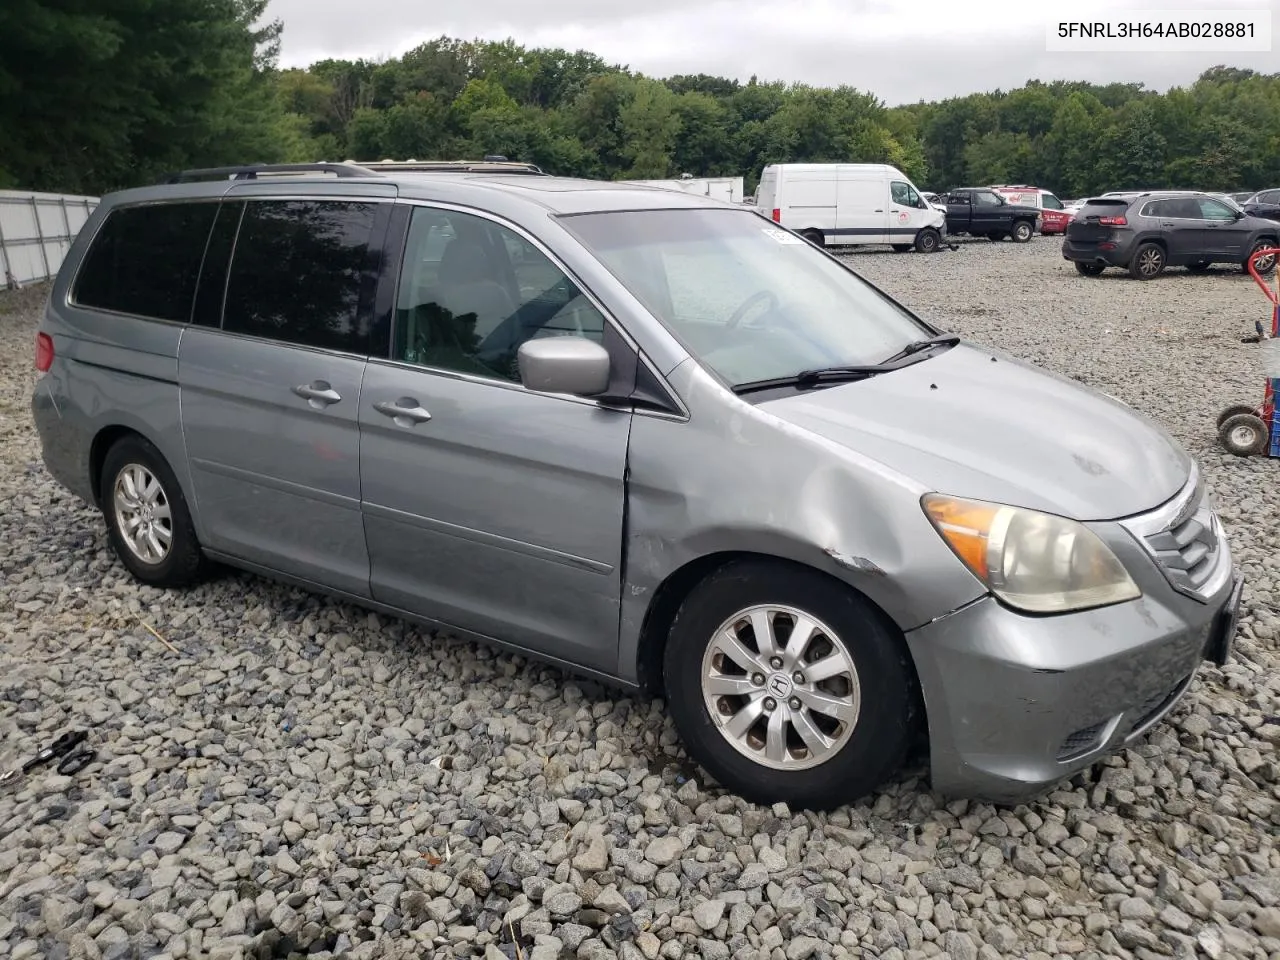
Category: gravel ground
[286,775]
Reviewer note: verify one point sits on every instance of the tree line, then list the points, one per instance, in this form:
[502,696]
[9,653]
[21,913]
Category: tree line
[91,102]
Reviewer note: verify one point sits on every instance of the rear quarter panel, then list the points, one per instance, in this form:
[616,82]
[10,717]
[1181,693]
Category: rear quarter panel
[110,371]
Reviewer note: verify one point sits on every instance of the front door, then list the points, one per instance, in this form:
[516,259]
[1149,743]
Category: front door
[1228,233]
[487,506]
[907,212]
[989,214]
[270,382]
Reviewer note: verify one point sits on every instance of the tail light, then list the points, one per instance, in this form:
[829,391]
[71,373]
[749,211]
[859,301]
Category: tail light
[1119,221]
[44,352]
[777,215]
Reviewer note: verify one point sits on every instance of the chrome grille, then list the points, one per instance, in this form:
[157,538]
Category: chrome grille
[1184,538]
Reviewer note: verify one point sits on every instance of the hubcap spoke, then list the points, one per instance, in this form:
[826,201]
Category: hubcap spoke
[832,665]
[837,708]
[729,644]
[762,627]
[722,686]
[744,719]
[817,741]
[776,738]
[798,642]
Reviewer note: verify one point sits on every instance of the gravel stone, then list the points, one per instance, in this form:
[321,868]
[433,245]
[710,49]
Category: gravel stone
[281,785]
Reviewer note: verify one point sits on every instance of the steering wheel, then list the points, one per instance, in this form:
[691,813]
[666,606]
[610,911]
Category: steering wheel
[759,295]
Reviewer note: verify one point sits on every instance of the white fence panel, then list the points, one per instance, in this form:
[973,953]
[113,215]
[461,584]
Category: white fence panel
[36,230]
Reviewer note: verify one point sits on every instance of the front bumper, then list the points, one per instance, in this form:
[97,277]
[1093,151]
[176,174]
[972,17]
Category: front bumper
[1018,703]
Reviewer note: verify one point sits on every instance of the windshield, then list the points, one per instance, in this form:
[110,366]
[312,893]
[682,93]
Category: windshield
[748,300]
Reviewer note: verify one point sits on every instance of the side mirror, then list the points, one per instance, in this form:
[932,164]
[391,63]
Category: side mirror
[573,365]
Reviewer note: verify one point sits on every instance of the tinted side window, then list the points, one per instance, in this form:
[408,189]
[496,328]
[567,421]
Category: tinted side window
[469,302]
[1271,196]
[986,199]
[298,271]
[217,260]
[145,260]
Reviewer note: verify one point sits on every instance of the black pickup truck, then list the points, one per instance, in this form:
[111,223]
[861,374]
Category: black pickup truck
[980,212]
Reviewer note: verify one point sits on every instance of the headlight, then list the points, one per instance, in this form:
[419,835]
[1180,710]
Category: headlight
[1033,561]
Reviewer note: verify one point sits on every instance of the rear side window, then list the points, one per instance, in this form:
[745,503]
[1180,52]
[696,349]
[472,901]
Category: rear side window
[298,272]
[145,260]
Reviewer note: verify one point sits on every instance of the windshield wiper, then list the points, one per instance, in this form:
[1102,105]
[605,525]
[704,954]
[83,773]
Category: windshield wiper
[847,374]
[942,340]
[813,378]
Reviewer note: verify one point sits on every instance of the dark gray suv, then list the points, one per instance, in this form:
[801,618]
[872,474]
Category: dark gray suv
[1147,232]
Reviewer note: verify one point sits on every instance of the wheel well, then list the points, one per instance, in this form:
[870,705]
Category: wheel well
[104,441]
[671,593]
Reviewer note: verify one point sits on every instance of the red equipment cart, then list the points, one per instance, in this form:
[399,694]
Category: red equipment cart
[1246,430]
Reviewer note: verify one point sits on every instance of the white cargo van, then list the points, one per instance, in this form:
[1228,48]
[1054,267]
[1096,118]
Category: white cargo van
[838,204]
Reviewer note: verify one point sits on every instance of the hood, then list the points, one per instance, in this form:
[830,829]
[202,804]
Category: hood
[1000,429]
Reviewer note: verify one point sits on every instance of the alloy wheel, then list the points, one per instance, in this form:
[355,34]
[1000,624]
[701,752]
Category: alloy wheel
[142,513]
[781,687]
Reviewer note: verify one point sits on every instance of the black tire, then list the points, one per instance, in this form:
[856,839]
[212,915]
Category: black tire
[1267,264]
[1148,262]
[901,247]
[815,237]
[1090,269]
[887,702]
[1244,434]
[1234,409]
[184,563]
[928,240]
[1200,266]
[1023,231]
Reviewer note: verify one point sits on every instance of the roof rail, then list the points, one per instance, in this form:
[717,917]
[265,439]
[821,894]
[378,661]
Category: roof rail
[251,171]
[486,165]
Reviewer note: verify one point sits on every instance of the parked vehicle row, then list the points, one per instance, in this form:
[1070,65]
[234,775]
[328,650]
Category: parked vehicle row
[550,414]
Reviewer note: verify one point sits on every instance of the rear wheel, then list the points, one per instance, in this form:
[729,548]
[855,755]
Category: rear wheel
[815,237]
[928,240]
[1265,264]
[148,522]
[1022,231]
[788,686]
[1090,269]
[1148,262]
[1244,434]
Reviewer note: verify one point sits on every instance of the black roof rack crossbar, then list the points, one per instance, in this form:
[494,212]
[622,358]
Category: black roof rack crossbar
[252,170]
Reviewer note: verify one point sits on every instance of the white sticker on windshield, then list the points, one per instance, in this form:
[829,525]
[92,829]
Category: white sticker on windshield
[781,235]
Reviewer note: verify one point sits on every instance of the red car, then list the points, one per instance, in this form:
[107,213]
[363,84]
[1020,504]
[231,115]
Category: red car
[1053,218]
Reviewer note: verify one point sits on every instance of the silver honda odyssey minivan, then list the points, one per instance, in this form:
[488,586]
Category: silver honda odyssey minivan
[651,437]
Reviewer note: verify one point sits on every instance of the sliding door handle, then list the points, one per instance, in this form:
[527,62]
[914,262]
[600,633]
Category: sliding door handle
[406,411]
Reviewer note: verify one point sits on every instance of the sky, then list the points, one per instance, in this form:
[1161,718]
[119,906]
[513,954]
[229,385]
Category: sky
[900,50]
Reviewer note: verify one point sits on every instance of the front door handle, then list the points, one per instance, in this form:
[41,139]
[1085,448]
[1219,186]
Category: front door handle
[318,393]
[406,411]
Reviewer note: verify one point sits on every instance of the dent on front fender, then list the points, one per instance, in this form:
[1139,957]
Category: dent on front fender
[734,478]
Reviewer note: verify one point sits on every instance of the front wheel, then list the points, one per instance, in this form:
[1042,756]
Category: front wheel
[1090,269]
[1234,409]
[1022,231]
[1265,264]
[1148,262]
[148,522]
[1244,434]
[788,686]
[927,240]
